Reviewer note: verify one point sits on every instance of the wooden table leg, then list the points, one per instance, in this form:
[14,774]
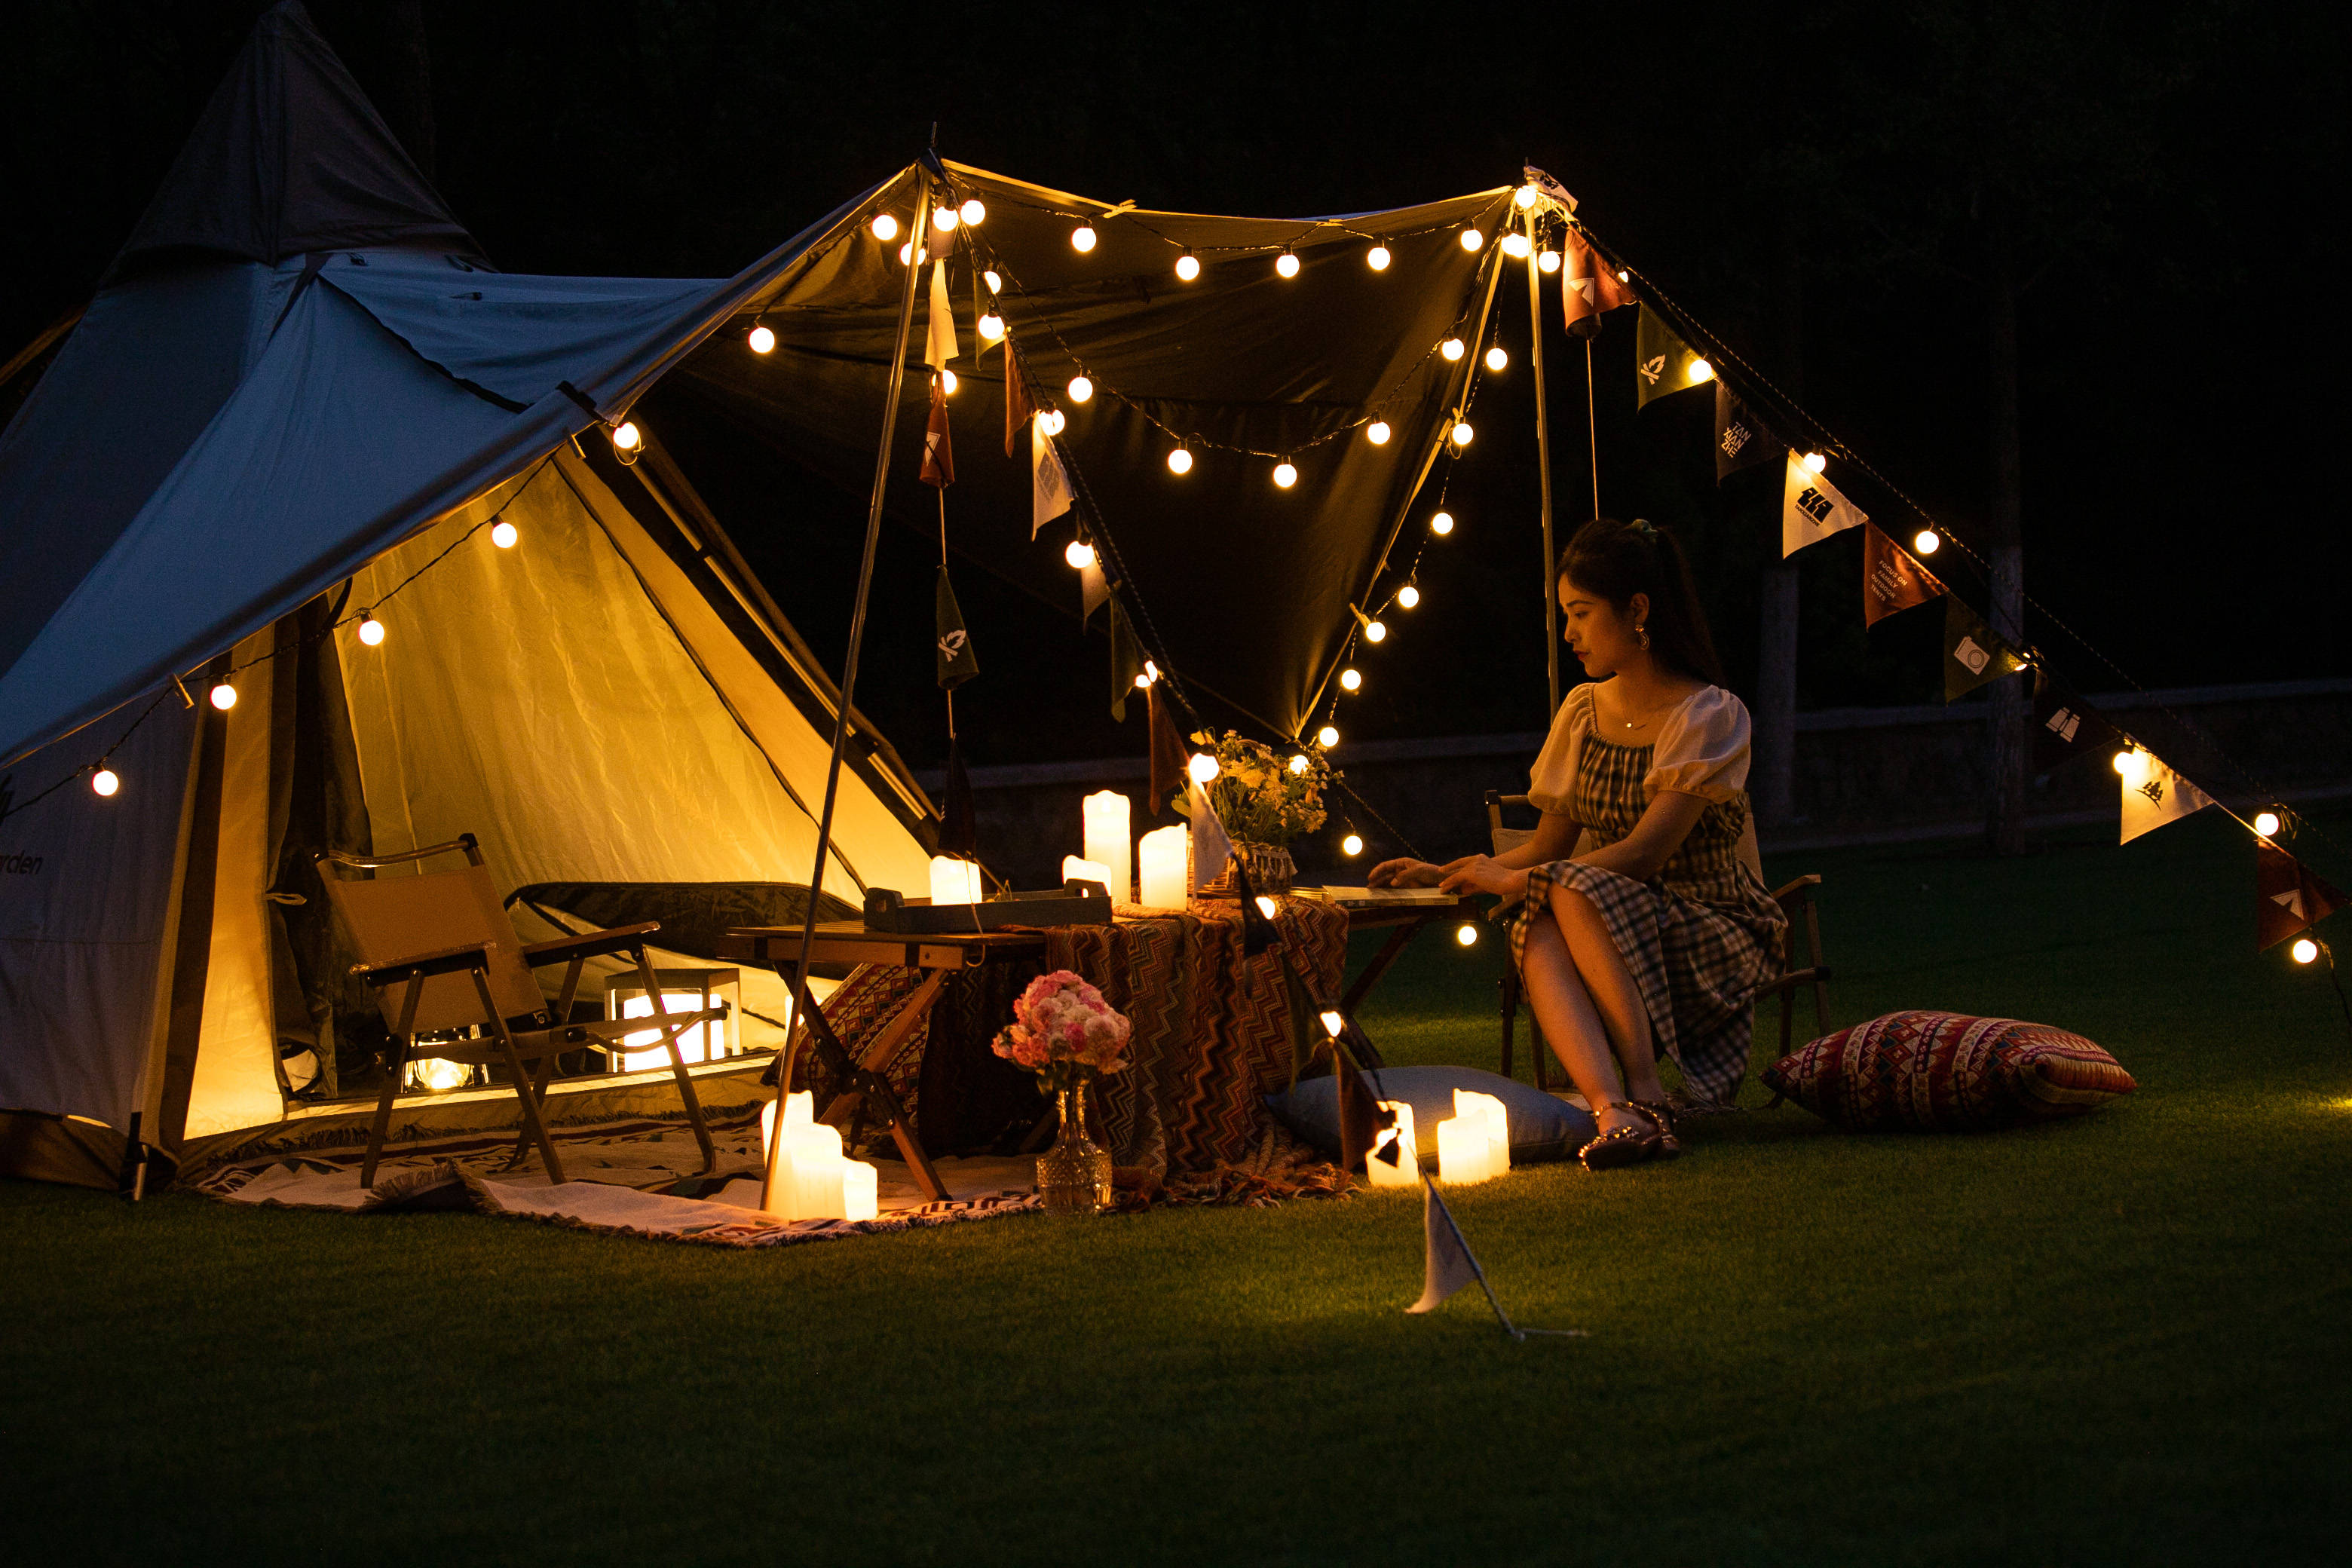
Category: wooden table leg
[1391,951]
[876,1094]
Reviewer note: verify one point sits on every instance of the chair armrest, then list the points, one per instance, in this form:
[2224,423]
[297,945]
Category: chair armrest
[587,944]
[441,961]
[1799,892]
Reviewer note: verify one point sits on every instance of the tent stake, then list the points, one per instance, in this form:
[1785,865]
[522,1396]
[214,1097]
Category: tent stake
[1543,462]
[806,1002]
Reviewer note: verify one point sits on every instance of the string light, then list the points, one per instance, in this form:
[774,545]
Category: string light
[1299,763]
[106,781]
[995,284]
[224,696]
[1408,596]
[1516,246]
[503,534]
[972,211]
[1267,907]
[1286,264]
[1080,555]
[906,254]
[886,227]
[1285,474]
[2305,950]
[1179,461]
[947,382]
[1377,432]
[1350,680]
[992,326]
[371,630]
[1463,433]
[761,340]
[1451,348]
[1328,736]
[1467,934]
[1187,266]
[1081,389]
[1814,462]
[1052,420]
[1925,542]
[1496,358]
[1351,843]
[1525,197]
[1441,524]
[2266,822]
[628,442]
[1082,239]
[1375,632]
[1203,767]
[1549,261]
[1377,258]
[1699,371]
[1623,276]
[1474,240]
[945,219]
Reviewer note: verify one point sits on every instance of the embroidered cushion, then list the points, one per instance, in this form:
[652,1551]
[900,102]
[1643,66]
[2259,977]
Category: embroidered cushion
[1946,1072]
[1542,1126]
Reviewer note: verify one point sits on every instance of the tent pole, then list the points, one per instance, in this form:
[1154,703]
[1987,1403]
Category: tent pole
[1592,429]
[804,999]
[1543,462]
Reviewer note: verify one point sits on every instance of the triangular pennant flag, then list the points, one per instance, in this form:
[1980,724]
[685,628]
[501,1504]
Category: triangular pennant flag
[1548,187]
[2287,898]
[1094,588]
[2065,727]
[1663,363]
[1169,756]
[1211,848]
[952,643]
[941,346]
[1891,579]
[938,452]
[2153,795]
[1740,438]
[959,823]
[1049,486]
[1126,660]
[1588,286]
[1974,655]
[1812,509]
[1020,407]
[1257,932]
[1448,1264]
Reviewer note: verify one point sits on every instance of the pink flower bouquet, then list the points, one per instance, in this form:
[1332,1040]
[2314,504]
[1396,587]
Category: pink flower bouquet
[1063,1031]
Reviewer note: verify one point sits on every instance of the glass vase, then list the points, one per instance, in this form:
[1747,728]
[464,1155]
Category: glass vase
[1073,1175]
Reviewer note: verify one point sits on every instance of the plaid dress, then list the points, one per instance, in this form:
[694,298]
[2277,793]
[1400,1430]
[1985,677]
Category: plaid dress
[1698,940]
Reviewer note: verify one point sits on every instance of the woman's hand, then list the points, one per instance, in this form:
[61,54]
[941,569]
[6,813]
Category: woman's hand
[1482,874]
[1406,873]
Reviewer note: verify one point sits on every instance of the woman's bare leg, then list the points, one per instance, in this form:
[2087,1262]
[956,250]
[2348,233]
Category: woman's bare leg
[1612,989]
[1574,1026]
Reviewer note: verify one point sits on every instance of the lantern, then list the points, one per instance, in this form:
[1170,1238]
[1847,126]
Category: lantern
[682,991]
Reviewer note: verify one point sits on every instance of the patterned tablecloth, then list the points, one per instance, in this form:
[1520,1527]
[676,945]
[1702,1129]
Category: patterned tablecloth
[1212,1034]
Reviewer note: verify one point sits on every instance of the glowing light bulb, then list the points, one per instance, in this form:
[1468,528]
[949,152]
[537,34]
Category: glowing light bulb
[1179,461]
[1461,433]
[1203,767]
[1408,596]
[1623,276]
[1052,421]
[1327,737]
[1143,683]
[1814,462]
[1082,239]
[1496,358]
[1467,934]
[2305,950]
[503,534]
[947,382]
[761,340]
[1474,240]
[1549,261]
[1375,632]
[972,211]
[1925,542]
[1081,389]
[1524,197]
[944,219]
[105,781]
[995,284]
[1441,524]
[906,253]
[2123,761]
[1285,475]
[886,227]
[1378,258]
[224,696]
[1377,432]
[627,437]
[1080,555]
[1350,680]
[1334,1024]
[371,630]
[1286,264]
[1516,246]
[1352,845]
[2266,822]
[1452,347]
[1699,371]
[1187,266]
[992,326]
[1299,763]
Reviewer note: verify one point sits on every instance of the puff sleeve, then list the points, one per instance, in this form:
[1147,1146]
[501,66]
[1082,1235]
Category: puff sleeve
[1552,781]
[1702,748]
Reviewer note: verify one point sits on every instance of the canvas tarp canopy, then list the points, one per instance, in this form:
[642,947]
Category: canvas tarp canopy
[301,392]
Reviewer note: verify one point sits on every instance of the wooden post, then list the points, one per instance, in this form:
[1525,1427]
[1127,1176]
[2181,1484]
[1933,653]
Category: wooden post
[1543,464]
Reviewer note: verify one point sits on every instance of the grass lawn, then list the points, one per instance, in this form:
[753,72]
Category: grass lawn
[2117,1341]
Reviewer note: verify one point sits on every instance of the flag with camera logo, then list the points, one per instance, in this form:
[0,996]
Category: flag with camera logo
[1974,655]
[1812,509]
[2288,899]
[2153,795]
[1662,361]
[1892,579]
[1741,441]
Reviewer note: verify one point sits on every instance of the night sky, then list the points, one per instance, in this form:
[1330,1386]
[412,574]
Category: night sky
[1811,175]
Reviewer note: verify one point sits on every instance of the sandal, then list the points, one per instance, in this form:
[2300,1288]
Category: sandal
[1662,1116]
[1627,1145]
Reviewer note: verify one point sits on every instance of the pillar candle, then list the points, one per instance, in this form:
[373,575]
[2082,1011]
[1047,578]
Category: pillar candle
[860,1189]
[1165,851]
[1078,869]
[1487,1112]
[1109,818]
[800,1114]
[1464,1150]
[954,881]
[1406,1171]
[815,1156]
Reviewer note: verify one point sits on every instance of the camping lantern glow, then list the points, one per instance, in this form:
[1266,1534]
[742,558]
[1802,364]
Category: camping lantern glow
[682,991]
[438,1075]
[954,881]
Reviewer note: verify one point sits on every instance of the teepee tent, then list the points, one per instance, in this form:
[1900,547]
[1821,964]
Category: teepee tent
[302,396]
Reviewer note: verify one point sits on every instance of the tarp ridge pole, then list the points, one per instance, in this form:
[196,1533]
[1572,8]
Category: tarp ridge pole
[805,1002]
[1543,462]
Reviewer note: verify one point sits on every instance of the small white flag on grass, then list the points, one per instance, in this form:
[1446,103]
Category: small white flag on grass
[1449,1266]
[1812,509]
[2153,794]
[941,346]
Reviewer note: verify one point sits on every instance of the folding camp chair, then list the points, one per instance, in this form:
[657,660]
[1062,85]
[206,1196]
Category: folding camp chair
[1795,899]
[441,954]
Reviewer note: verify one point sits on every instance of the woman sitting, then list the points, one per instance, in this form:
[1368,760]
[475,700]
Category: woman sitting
[1639,928]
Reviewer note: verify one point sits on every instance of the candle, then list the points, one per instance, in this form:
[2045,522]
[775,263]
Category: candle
[1077,868]
[815,1156]
[954,881]
[1463,1152]
[1406,1171]
[1109,818]
[800,1113]
[1487,1112]
[859,1189]
[1164,853]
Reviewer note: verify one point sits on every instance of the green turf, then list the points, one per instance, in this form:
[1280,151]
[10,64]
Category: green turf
[2117,1341]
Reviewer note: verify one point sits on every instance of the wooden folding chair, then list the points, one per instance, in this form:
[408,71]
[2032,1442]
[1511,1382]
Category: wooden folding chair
[443,939]
[1795,899]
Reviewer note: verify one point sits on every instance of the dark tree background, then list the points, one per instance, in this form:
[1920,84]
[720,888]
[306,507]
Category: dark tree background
[1824,183]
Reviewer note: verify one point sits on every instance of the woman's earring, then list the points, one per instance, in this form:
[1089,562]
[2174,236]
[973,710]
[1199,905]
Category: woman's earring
[1644,633]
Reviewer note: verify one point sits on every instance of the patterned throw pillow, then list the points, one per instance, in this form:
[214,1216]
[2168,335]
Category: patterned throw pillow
[1946,1072]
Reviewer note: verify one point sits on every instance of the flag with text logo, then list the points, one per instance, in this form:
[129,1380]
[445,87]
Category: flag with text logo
[2153,795]
[1049,486]
[1892,580]
[1812,509]
[1741,441]
[2288,899]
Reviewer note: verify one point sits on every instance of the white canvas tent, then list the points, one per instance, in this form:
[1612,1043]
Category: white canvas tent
[301,392]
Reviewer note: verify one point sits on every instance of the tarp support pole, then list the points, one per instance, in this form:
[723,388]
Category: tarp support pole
[1543,462]
[806,1003]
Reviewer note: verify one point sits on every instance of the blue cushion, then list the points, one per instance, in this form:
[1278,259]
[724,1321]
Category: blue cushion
[1543,1127]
